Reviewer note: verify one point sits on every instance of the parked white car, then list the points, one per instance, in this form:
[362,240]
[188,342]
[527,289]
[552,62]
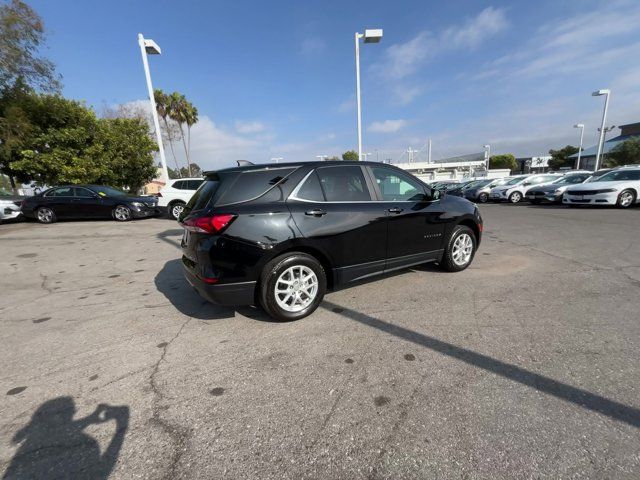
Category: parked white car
[620,187]
[515,190]
[9,205]
[175,195]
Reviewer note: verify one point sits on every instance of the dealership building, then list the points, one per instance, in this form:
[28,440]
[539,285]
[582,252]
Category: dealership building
[588,157]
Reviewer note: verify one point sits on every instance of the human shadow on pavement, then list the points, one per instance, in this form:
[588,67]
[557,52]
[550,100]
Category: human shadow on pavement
[54,445]
[582,398]
[171,283]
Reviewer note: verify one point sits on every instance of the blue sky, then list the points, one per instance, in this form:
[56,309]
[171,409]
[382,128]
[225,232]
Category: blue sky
[277,78]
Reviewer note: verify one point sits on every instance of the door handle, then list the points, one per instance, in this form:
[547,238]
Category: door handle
[316,212]
[396,210]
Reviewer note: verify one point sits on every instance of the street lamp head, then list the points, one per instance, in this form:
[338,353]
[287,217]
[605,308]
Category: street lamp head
[579,125]
[486,146]
[373,35]
[604,91]
[151,47]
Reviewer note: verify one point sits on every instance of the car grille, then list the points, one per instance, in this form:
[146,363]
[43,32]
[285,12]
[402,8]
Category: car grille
[585,192]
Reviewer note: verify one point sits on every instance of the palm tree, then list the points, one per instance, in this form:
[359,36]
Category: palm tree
[163,108]
[191,118]
[178,106]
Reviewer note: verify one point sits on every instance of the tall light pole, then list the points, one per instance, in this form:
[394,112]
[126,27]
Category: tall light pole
[581,127]
[148,46]
[607,93]
[276,159]
[370,36]
[487,155]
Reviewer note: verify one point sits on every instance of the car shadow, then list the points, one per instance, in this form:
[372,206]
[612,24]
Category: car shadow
[55,445]
[170,281]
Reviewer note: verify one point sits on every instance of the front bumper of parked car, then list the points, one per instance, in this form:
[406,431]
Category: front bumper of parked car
[542,196]
[9,211]
[143,210]
[587,197]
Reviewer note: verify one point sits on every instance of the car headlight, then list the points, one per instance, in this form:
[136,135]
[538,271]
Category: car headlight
[138,204]
[607,190]
[558,191]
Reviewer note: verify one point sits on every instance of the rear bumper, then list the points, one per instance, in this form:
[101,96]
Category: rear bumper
[226,294]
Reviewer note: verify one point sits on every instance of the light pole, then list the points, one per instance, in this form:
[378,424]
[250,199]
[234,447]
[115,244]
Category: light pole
[604,139]
[148,46]
[581,127]
[370,36]
[607,93]
[487,154]
[276,159]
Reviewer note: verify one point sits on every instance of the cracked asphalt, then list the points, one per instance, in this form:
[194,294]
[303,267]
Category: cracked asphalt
[523,366]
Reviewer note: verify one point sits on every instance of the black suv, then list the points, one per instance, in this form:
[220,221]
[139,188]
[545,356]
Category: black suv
[280,235]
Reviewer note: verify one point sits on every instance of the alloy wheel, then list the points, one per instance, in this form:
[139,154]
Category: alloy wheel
[176,210]
[45,215]
[122,213]
[626,199]
[462,249]
[296,288]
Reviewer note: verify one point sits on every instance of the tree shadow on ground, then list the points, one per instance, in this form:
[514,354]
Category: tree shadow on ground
[54,445]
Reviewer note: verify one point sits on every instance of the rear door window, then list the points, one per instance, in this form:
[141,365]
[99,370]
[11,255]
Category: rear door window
[61,192]
[343,184]
[311,189]
[194,184]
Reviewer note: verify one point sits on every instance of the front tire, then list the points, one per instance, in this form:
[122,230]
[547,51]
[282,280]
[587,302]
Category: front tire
[483,198]
[45,215]
[175,209]
[460,249]
[292,286]
[515,197]
[626,199]
[122,213]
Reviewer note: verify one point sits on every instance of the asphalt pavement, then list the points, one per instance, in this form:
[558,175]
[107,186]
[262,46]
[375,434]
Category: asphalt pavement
[523,366]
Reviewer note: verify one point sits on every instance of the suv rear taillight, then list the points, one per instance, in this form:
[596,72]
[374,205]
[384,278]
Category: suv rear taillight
[212,224]
[159,194]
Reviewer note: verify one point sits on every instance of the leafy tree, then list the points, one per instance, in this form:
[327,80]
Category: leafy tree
[625,153]
[125,148]
[15,127]
[183,112]
[335,157]
[196,171]
[350,155]
[560,158]
[21,36]
[506,160]
[163,107]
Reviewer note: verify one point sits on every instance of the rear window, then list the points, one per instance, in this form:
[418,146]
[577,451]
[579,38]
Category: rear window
[343,184]
[251,184]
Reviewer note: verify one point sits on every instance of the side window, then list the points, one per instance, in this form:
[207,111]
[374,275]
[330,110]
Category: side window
[62,192]
[311,189]
[82,192]
[397,187]
[343,184]
[194,184]
[179,185]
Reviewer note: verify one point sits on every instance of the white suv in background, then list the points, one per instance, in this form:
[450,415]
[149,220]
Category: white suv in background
[515,189]
[620,187]
[175,195]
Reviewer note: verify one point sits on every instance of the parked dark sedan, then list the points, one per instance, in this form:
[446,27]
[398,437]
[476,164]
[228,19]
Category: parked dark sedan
[88,201]
[553,192]
[280,235]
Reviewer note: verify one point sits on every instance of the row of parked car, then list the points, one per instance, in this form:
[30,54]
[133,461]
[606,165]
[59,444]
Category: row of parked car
[617,186]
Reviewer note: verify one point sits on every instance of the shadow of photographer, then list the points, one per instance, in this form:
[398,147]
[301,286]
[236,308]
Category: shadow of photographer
[54,445]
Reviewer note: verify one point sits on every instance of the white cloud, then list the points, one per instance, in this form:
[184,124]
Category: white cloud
[312,46]
[404,59]
[347,105]
[388,126]
[249,126]
[405,94]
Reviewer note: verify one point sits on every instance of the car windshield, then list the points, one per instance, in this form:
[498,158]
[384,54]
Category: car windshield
[515,180]
[104,191]
[570,179]
[619,176]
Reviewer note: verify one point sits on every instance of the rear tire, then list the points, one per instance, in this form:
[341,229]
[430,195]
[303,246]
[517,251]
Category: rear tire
[292,286]
[483,198]
[122,213]
[626,199]
[515,197]
[460,249]
[45,215]
[175,209]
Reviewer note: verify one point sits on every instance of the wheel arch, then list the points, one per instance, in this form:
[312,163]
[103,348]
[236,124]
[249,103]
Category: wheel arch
[467,222]
[314,252]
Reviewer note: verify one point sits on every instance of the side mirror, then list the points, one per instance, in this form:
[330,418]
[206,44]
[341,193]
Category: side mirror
[435,194]
[526,184]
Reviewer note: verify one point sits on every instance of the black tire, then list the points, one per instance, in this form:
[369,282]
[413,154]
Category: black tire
[122,213]
[626,199]
[515,197]
[270,276]
[45,215]
[175,209]
[448,262]
[483,198]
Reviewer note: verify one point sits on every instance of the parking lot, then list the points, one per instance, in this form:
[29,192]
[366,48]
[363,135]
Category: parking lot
[523,366]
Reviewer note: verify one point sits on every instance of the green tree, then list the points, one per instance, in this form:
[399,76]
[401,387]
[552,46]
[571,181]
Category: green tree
[125,148]
[196,171]
[560,158]
[21,37]
[350,155]
[183,113]
[15,127]
[506,160]
[163,107]
[624,153]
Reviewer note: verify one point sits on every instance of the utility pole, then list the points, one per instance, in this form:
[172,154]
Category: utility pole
[410,151]
[429,152]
